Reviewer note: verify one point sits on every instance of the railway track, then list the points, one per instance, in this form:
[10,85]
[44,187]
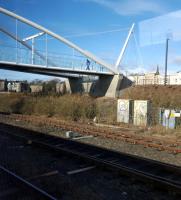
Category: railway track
[14,186]
[160,174]
[123,134]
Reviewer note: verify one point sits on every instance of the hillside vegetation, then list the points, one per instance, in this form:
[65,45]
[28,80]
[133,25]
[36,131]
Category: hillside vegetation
[70,107]
[84,107]
[161,96]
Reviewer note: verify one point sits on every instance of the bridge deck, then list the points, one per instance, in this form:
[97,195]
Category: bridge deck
[51,71]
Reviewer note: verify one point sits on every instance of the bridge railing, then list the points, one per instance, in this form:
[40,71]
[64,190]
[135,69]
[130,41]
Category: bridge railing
[22,55]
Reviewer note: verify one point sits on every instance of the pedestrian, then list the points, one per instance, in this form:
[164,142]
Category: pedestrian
[88,64]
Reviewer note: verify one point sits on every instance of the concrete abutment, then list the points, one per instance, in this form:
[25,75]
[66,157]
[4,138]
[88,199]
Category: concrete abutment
[108,86]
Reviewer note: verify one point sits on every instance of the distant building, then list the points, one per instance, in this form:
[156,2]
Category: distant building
[36,88]
[175,79]
[17,86]
[155,78]
[14,86]
[3,85]
[61,87]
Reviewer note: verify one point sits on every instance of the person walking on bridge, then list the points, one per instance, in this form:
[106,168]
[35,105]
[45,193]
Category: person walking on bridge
[88,64]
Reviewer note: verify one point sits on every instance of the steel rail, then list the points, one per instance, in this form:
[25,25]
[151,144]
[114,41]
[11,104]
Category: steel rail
[124,134]
[26,183]
[142,168]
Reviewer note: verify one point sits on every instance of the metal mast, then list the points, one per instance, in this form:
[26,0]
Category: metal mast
[124,47]
[166,61]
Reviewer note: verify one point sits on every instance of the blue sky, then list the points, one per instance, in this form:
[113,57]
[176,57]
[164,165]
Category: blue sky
[83,21]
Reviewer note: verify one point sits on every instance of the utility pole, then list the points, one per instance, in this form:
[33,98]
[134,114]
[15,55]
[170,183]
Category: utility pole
[166,61]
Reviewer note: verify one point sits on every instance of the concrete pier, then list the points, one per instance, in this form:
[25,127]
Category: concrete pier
[109,86]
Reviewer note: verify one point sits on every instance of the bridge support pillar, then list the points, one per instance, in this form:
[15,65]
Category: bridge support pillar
[74,85]
[110,86]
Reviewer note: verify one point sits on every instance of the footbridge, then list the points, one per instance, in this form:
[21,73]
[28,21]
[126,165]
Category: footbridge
[24,56]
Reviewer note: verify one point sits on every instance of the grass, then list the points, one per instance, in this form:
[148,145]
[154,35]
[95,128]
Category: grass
[161,96]
[84,108]
[73,107]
